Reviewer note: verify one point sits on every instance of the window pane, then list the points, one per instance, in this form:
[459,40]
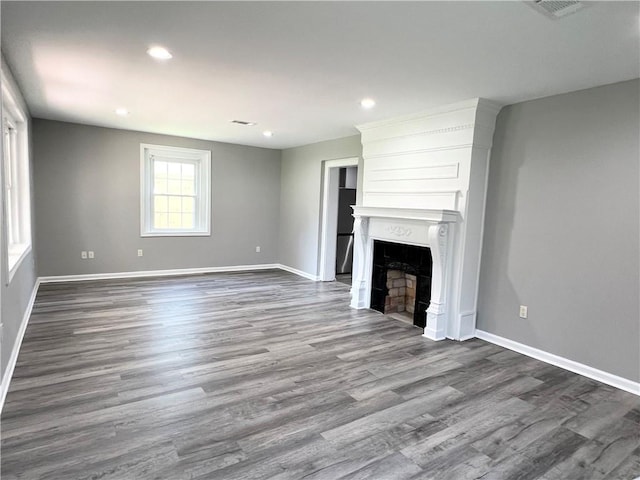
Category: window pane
[188,187]
[188,205]
[188,171]
[160,185]
[187,220]
[8,158]
[174,187]
[160,204]
[174,170]
[8,178]
[159,177]
[160,169]
[160,221]
[174,220]
[11,228]
[175,205]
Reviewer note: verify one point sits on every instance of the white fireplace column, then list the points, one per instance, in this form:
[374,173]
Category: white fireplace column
[437,313]
[424,183]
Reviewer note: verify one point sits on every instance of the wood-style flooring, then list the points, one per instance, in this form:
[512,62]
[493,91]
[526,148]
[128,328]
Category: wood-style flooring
[267,375]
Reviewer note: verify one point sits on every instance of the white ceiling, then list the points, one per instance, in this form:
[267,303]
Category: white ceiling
[300,68]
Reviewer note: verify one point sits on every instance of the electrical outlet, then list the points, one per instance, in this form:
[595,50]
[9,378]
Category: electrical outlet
[91,254]
[524,311]
[83,255]
[139,252]
[257,249]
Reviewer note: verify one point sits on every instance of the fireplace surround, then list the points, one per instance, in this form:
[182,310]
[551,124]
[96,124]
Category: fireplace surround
[424,181]
[421,228]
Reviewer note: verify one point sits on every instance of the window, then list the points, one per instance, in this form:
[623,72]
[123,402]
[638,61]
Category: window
[175,191]
[17,193]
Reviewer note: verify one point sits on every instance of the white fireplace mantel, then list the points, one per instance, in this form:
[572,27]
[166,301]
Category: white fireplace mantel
[422,214]
[424,183]
[430,228]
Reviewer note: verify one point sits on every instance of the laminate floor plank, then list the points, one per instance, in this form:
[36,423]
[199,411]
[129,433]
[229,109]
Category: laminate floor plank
[265,375]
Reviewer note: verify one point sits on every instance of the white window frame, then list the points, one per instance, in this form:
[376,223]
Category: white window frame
[202,161]
[16,175]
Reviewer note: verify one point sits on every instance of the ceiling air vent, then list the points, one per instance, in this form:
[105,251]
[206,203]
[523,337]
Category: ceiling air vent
[242,122]
[556,9]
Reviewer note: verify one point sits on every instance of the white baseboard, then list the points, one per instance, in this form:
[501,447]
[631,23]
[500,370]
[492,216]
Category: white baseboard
[157,273]
[576,367]
[309,276]
[8,373]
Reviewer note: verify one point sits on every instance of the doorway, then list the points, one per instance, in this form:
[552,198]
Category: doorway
[339,194]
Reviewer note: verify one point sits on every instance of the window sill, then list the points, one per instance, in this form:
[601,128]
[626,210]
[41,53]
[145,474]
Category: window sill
[17,254]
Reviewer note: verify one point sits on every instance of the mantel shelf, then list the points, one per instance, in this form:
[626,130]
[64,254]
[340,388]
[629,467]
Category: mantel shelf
[427,215]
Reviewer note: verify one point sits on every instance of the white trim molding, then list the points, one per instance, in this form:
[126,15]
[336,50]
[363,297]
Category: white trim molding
[176,272]
[200,162]
[157,273]
[562,362]
[329,229]
[11,365]
[300,273]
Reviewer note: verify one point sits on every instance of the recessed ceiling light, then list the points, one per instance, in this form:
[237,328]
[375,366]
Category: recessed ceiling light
[367,103]
[160,53]
[268,133]
[123,112]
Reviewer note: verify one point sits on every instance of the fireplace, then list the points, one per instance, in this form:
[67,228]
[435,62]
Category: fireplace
[412,240]
[401,280]
[424,180]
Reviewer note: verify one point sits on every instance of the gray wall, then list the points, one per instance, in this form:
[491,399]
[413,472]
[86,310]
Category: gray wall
[561,232]
[15,295]
[87,197]
[301,198]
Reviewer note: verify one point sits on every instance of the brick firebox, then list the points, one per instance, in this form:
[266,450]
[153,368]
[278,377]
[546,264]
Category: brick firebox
[401,294]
